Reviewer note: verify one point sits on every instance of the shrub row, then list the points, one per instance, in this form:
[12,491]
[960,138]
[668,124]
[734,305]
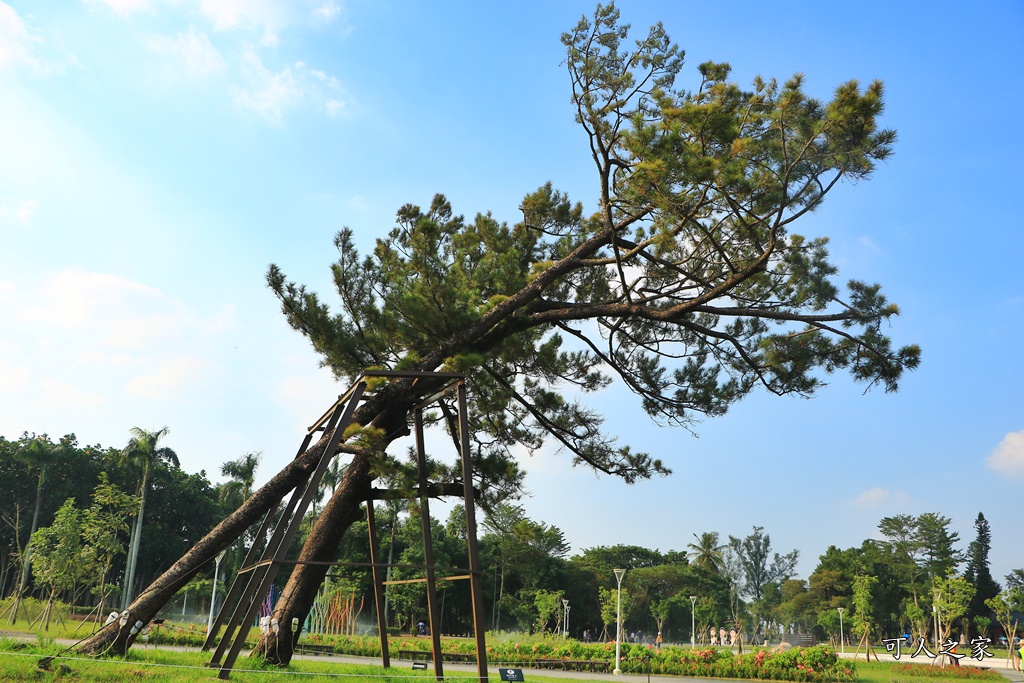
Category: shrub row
[799,664]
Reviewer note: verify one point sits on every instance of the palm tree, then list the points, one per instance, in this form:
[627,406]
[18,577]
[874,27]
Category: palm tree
[37,452]
[241,473]
[142,450]
[706,552]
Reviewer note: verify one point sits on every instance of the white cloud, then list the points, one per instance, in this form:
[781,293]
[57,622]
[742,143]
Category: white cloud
[270,93]
[123,8]
[24,213]
[335,108]
[267,16]
[80,299]
[58,393]
[172,378]
[18,211]
[877,497]
[110,314]
[328,11]
[17,44]
[869,244]
[1008,456]
[13,378]
[192,53]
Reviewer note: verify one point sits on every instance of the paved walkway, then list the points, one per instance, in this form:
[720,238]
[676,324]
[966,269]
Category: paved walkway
[469,670]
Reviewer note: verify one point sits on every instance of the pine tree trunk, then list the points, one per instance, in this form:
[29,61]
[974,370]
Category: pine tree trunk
[387,410]
[113,639]
[343,509]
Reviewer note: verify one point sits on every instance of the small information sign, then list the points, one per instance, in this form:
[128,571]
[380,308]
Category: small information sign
[419,665]
[511,675]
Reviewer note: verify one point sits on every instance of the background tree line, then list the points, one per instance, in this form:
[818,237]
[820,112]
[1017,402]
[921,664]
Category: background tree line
[89,495]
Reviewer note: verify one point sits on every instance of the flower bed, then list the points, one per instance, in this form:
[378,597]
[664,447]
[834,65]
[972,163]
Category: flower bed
[799,664]
[962,671]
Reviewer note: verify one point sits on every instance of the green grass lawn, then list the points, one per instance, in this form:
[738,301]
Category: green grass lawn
[19,662]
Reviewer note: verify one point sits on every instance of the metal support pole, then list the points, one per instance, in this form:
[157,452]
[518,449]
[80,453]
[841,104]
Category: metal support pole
[693,621]
[618,620]
[433,616]
[378,587]
[293,527]
[476,588]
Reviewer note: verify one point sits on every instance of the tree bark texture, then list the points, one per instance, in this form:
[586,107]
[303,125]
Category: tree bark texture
[342,510]
[386,409]
[115,639]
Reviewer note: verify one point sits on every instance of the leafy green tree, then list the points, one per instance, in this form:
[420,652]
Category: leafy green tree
[548,604]
[103,527]
[611,609]
[797,608]
[953,596]
[688,285]
[759,565]
[63,563]
[923,548]
[142,451]
[863,620]
[940,557]
[654,589]
[523,550]
[1006,605]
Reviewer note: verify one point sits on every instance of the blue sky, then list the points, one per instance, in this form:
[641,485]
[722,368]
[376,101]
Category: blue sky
[157,155]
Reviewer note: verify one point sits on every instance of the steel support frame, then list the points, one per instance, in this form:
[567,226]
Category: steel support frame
[258,575]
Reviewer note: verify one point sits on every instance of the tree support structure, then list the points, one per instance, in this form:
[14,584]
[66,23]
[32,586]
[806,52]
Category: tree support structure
[260,569]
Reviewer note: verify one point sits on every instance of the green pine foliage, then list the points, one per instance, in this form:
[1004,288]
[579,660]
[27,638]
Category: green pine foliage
[687,283]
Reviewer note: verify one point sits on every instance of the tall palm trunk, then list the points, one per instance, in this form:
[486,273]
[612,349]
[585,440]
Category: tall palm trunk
[114,639]
[27,565]
[386,410]
[133,551]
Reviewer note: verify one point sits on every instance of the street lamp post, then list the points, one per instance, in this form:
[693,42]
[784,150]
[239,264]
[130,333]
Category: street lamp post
[565,620]
[213,598]
[618,620]
[842,645]
[693,621]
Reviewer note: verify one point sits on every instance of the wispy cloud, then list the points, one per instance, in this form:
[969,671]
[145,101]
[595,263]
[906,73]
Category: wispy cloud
[15,40]
[19,211]
[19,46]
[869,244]
[878,497]
[172,378]
[59,393]
[115,314]
[123,8]
[271,93]
[190,55]
[134,347]
[1008,456]
[13,378]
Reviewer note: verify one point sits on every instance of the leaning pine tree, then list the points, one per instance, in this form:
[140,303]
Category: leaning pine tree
[687,285]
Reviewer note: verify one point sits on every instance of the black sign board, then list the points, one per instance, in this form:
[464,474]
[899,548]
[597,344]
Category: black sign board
[419,665]
[511,675]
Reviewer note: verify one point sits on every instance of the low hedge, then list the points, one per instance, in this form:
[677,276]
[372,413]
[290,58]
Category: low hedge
[818,663]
